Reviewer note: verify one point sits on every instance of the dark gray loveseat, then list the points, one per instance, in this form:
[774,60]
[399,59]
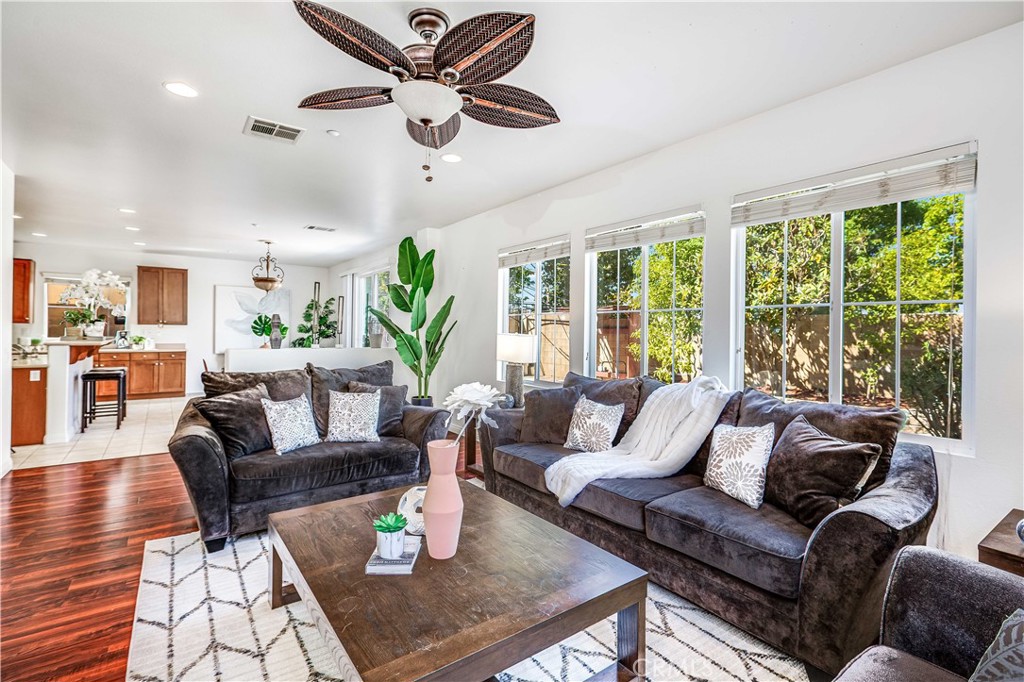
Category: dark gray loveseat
[233,496]
[814,593]
[941,613]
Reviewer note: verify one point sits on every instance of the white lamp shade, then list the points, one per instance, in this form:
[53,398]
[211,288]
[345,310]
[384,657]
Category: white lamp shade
[519,348]
[426,101]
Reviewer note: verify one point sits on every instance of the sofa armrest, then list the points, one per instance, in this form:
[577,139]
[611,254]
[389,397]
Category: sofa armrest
[850,554]
[509,426]
[946,609]
[422,425]
[197,450]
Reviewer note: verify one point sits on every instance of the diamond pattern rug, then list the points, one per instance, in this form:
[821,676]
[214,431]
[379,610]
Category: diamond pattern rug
[207,617]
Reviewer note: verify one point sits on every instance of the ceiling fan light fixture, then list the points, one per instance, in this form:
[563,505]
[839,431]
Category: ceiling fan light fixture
[424,102]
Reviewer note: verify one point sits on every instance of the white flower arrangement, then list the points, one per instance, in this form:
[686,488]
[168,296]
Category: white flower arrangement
[90,293]
[471,400]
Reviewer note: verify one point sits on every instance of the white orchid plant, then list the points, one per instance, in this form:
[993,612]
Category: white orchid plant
[468,401]
[91,293]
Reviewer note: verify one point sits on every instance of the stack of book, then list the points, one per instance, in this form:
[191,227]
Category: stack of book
[401,566]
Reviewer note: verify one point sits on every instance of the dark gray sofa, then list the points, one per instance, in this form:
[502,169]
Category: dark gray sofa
[814,593]
[941,612]
[233,496]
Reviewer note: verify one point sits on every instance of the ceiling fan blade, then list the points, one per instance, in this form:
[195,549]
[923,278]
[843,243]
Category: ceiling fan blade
[507,106]
[485,47]
[434,137]
[347,98]
[351,37]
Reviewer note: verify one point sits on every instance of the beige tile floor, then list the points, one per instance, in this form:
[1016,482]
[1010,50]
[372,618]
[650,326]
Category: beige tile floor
[145,431]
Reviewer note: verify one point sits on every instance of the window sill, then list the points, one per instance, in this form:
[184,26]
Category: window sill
[942,446]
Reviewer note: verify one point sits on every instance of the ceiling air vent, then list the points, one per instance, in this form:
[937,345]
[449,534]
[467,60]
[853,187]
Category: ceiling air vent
[259,127]
[319,228]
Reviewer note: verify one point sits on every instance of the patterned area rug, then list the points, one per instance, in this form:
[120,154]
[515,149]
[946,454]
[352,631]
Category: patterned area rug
[207,617]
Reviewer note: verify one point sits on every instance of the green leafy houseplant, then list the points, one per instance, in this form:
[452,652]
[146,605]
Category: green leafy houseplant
[262,327]
[77,317]
[326,327]
[421,349]
[390,523]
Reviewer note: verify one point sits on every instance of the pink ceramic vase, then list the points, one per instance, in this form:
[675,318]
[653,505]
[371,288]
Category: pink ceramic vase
[442,505]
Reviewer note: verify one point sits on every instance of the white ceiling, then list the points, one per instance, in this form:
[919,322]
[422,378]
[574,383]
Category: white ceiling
[87,127]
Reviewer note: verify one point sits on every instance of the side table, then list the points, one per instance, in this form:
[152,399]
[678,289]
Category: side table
[1002,548]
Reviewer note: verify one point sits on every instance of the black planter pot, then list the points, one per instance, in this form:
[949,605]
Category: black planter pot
[423,402]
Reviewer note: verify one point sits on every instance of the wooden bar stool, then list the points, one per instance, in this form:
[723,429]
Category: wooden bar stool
[91,408]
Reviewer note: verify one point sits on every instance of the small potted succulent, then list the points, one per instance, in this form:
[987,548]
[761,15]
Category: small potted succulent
[390,535]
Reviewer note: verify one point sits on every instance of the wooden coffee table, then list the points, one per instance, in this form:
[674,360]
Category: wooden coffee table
[517,585]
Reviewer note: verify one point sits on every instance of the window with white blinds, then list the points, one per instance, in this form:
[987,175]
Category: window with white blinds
[949,170]
[666,227]
[541,250]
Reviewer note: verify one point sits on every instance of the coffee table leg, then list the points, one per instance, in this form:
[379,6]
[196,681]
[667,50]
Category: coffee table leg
[276,595]
[632,637]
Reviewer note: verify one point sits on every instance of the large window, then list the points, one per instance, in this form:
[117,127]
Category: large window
[647,300]
[864,307]
[537,302]
[373,293]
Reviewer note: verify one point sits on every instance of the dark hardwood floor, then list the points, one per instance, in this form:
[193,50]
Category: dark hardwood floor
[71,540]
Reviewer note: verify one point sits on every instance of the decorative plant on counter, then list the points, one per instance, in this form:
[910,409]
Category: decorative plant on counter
[416,275]
[318,323]
[390,535]
[390,523]
[470,401]
[90,294]
[263,327]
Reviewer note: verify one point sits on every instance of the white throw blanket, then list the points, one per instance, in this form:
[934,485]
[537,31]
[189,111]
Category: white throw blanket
[672,425]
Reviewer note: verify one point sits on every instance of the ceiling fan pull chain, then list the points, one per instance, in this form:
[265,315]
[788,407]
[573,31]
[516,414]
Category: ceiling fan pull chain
[426,163]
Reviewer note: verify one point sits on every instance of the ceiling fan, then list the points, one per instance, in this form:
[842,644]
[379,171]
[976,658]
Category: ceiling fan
[451,71]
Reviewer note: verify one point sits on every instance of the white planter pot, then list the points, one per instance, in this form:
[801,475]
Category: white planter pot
[96,329]
[391,545]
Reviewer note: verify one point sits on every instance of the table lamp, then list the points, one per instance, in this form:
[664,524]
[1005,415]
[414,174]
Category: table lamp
[516,350]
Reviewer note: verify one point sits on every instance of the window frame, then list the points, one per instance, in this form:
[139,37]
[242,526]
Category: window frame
[360,309]
[503,314]
[964,446]
[644,310]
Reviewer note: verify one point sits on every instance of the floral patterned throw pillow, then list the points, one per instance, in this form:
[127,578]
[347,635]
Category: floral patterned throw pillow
[593,425]
[738,460]
[353,417]
[291,424]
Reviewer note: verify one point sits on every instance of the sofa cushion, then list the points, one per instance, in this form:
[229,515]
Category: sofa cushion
[593,425]
[764,546]
[282,385]
[238,420]
[879,425]
[885,664]
[392,400]
[547,414]
[648,385]
[324,380]
[266,474]
[526,462]
[622,500]
[624,392]
[811,474]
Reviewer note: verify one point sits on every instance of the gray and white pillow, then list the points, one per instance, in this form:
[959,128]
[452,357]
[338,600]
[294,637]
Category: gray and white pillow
[738,460]
[352,417]
[593,425]
[291,424]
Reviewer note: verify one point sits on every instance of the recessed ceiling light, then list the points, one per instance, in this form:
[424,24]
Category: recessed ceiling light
[16,216]
[126,210]
[334,133]
[451,158]
[180,89]
[139,243]
[131,229]
[38,234]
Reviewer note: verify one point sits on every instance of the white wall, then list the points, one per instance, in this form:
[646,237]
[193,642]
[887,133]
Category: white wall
[203,275]
[971,91]
[6,305]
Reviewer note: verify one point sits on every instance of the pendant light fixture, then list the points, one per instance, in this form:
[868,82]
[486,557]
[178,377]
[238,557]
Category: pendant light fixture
[267,275]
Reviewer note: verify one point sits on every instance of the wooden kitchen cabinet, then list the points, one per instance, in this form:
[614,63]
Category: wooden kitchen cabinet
[151,374]
[24,286]
[28,406]
[162,295]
